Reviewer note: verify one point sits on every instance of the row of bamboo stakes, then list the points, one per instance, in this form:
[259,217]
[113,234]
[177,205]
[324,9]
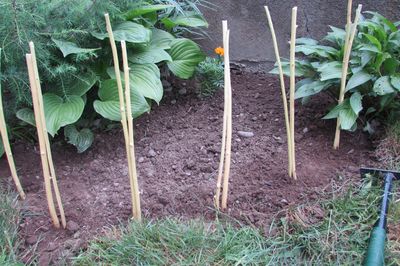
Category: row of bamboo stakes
[49,174]
[50,179]
[289,111]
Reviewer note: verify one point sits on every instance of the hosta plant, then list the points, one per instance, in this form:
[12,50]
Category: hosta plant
[74,56]
[373,80]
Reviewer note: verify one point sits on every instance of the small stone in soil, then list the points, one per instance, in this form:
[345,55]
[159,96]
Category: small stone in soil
[141,160]
[182,91]
[173,102]
[152,153]
[246,134]
[72,226]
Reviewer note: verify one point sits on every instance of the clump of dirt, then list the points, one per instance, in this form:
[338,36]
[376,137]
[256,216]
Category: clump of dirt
[177,147]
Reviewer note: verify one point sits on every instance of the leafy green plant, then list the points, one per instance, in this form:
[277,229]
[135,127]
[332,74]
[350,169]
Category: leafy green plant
[74,55]
[210,73]
[373,81]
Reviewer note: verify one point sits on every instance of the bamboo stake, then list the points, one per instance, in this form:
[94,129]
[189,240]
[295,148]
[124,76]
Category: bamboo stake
[283,90]
[224,132]
[133,177]
[50,163]
[42,145]
[121,101]
[336,142]
[349,9]
[228,147]
[345,67]
[293,88]
[7,147]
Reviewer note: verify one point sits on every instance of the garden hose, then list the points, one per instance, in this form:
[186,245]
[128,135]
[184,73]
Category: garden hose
[375,255]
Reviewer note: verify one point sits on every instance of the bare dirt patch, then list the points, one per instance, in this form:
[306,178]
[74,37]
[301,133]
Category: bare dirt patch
[177,148]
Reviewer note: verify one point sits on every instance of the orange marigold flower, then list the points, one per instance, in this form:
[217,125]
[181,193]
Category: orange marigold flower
[219,51]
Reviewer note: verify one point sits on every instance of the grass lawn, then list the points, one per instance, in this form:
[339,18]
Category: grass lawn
[329,232]
[9,222]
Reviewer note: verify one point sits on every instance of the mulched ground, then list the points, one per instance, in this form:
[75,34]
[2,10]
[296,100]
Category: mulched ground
[177,148]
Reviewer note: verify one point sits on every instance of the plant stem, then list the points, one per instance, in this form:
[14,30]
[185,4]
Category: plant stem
[53,176]
[133,177]
[42,145]
[293,87]
[283,90]
[228,147]
[345,67]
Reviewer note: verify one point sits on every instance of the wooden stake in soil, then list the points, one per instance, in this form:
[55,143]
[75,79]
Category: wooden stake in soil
[133,177]
[228,87]
[225,158]
[42,145]
[283,90]
[124,122]
[50,163]
[293,88]
[351,30]
[7,147]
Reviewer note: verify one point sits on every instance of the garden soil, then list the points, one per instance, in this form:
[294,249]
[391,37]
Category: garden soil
[178,148]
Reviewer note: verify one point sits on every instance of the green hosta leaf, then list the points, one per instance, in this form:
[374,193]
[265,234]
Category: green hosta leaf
[128,31]
[358,79]
[68,48]
[27,115]
[307,89]
[390,66]
[394,40]
[149,55]
[383,86]
[161,39]
[356,102]
[336,36]
[318,50]
[186,55]
[108,105]
[370,48]
[303,69]
[395,81]
[144,79]
[144,9]
[82,140]
[345,113]
[60,112]
[78,86]
[308,41]
[186,20]
[387,24]
[347,119]
[331,70]
[374,41]
[374,28]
